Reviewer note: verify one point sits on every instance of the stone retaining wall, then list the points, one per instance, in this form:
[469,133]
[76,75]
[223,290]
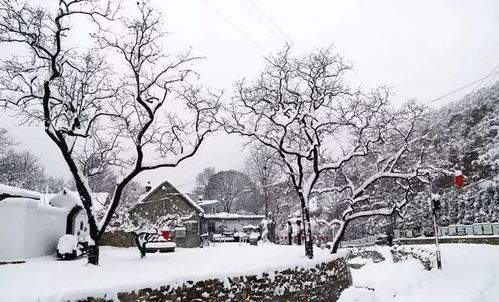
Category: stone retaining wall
[324,282]
[118,239]
[402,253]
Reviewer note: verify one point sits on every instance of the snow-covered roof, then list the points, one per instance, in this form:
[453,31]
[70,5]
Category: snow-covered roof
[68,199]
[208,202]
[14,192]
[46,197]
[144,198]
[225,215]
[195,205]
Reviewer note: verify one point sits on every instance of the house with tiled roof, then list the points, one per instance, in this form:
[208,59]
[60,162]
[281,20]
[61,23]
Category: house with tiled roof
[194,217]
[166,200]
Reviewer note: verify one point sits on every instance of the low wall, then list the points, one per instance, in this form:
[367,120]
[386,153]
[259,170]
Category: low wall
[431,240]
[324,282]
[118,239]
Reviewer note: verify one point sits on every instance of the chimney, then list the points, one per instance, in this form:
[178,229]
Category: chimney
[200,198]
[148,187]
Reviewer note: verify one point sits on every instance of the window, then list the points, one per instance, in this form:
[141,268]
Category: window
[180,232]
[81,225]
[194,228]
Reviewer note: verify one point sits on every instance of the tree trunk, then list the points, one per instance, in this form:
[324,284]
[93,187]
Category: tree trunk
[309,245]
[339,237]
[307,230]
[93,254]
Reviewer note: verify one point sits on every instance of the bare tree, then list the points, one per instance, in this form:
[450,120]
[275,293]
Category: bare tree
[5,140]
[235,190]
[264,171]
[203,179]
[21,169]
[53,184]
[96,166]
[302,109]
[142,111]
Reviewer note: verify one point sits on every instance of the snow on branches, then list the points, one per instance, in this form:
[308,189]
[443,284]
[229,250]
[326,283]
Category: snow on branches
[330,138]
[141,106]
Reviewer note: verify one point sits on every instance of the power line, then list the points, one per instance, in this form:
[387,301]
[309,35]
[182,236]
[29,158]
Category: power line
[481,82]
[464,87]
[252,11]
[491,79]
[234,25]
[271,22]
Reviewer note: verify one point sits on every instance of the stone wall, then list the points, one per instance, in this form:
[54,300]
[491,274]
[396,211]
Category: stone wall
[473,240]
[324,282]
[402,253]
[118,239]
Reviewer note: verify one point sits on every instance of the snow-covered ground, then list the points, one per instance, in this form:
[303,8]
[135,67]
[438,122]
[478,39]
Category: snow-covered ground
[46,279]
[470,274]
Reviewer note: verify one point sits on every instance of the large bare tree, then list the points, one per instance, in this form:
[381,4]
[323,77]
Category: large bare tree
[123,97]
[202,181]
[302,109]
[234,190]
[265,172]
[21,169]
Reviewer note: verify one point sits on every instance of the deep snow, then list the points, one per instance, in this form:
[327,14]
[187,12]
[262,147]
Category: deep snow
[470,274]
[45,279]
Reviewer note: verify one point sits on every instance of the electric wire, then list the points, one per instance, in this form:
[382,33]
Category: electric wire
[262,21]
[271,21]
[234,25]
[493,72]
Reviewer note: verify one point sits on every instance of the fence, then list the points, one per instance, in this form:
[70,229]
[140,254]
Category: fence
[359,242]
[476,229]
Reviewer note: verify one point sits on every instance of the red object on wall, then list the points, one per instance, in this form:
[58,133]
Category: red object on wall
[166,234]
[459,179]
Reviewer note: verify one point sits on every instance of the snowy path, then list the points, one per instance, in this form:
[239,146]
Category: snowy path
[45,279]
[470,274]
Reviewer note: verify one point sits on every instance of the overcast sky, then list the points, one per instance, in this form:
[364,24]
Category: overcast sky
[423,49]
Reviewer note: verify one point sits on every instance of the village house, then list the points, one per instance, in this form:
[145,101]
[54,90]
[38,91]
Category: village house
[195,217]
[31,223]
[165,200]
[216,222]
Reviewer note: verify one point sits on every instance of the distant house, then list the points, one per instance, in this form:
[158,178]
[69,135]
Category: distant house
[210,206]
[223,223]
[217,222]
[166,200]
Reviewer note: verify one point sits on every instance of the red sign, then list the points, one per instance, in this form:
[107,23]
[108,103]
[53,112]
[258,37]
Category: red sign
[166,234]
[459,179]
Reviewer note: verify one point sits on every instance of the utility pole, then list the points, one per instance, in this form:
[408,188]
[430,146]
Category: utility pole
[435,206]
[265,192]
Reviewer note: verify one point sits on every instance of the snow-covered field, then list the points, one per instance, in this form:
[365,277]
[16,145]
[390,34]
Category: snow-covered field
[46,279]
[470,274]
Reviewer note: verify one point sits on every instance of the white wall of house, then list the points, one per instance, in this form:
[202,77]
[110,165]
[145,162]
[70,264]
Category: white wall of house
[29,229]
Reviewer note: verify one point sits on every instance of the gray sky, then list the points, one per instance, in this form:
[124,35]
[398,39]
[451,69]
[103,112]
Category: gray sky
[423,49]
